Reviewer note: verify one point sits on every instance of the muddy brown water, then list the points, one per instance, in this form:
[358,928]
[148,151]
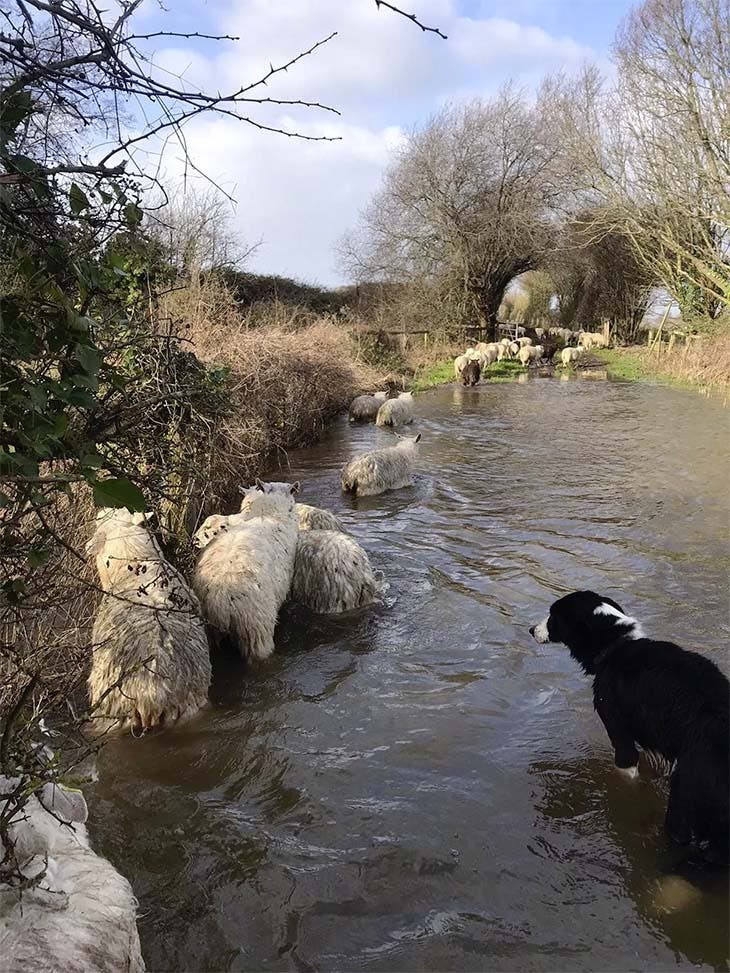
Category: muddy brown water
[421,786]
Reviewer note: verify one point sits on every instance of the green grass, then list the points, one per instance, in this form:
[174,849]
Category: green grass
[443,372]
[623,364]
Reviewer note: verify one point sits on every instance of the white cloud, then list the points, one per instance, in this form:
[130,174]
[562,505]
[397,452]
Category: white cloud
[381,72]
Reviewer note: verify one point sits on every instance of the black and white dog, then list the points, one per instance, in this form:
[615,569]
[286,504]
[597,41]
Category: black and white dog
[666,699]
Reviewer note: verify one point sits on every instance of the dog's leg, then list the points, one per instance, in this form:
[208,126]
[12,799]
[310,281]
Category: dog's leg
[676,824]
[626,754]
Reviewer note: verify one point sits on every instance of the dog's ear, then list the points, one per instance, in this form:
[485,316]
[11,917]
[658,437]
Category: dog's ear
[614,604]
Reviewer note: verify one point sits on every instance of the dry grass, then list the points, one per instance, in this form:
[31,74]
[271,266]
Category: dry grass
[705,361]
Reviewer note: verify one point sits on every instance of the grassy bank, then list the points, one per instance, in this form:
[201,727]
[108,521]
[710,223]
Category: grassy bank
[703,365]
[442,373]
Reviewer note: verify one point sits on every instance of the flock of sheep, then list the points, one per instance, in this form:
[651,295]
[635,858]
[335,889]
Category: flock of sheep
[153,634]
[556,343]
[151,666]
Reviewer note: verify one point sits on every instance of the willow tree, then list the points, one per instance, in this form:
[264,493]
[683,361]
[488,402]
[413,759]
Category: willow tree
[466,203]
[653,149]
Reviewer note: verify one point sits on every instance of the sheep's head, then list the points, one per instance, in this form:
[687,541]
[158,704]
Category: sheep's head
[406,396]
[120,538]
[380,396]
[265,499]
[408,442]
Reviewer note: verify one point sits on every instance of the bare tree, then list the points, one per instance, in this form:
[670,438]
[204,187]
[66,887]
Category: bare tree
[654,150]
[465,204]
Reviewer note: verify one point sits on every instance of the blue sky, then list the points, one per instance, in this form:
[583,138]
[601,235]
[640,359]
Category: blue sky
[383,74]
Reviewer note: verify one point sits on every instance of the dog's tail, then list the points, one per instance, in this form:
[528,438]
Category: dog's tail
[706,788]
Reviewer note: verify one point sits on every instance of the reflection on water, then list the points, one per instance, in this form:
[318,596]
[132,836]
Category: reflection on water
[420,785]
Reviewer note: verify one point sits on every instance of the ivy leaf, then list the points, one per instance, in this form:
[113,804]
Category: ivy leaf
[89,359]
[77,199]
[118,493]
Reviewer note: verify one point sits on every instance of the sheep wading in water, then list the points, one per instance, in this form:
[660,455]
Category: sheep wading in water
[396,412]
[471,373]
[332,573]
[382,469]
[79,915]
[151,662]
[244,574]
[364,408]
[316,518]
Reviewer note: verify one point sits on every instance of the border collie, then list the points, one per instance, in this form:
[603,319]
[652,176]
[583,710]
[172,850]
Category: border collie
[666,699]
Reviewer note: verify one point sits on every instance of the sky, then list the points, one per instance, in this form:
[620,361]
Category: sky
[296,198]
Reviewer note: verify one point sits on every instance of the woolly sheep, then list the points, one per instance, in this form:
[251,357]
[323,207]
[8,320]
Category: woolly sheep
[364,408]
[243,575]
[502,352]
[524,355]
[382,469]
[396,412]
[523,342]
[514,348]
[489,354]
[471,374]
[460,364]
[540,332]
[150,662]
[568,355]
[315,518]
[81,915]
[332,573]
[506,342]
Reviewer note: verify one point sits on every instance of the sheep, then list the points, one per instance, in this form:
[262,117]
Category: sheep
[489,355]
[150,663]
[243,575]
[540,332]
[315,518]
[471,374]
[524,355]
[591,339]
[396,412]
[460,364]
[568,355]
[514,349]
[364,408]
[506,342]
[69,910]
[382,469]
[502,352]
[332,573]
[523,342]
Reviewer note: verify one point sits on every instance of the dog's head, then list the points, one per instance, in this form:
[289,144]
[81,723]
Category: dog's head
[587,623]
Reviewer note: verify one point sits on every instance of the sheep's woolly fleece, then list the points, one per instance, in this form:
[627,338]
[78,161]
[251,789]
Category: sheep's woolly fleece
[151,662]
[364,408]
[332,573]
[396,412]
[382,469]
[82,915]
[244,574]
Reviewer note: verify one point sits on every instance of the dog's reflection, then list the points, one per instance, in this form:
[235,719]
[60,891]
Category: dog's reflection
[586,804]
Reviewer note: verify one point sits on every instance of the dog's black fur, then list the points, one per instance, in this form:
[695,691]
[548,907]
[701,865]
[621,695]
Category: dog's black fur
[665,699]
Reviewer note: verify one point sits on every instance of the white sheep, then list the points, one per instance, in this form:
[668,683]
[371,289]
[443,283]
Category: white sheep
[460,364]
[316,518]
[506,342]
[150,661]
[332,573]
[524,355]
[382,469]
[396,412]
[502,351]
[568,355]
[523,342]
[243,575]
[489,355]
[364,408]
[514,348]
[79,915]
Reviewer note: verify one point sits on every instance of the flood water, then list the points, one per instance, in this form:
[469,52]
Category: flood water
[421,786]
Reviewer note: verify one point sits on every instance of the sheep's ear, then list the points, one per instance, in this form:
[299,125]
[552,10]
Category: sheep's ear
[296,487]
[418,438]
[259,484]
